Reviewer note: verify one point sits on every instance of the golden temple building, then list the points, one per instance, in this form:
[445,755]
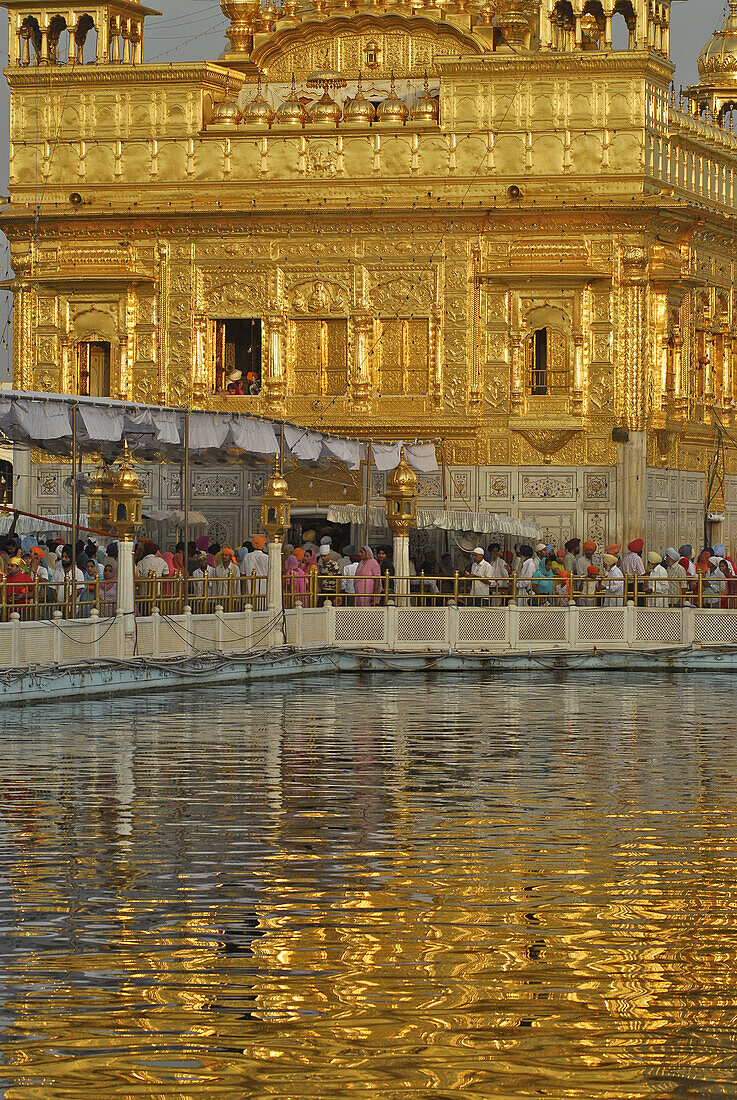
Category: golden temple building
[476,222]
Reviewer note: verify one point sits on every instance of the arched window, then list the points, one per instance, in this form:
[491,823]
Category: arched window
[623,29]
[547,363]
[93,369]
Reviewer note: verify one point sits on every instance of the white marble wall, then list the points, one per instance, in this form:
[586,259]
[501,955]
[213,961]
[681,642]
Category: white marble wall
[675,508]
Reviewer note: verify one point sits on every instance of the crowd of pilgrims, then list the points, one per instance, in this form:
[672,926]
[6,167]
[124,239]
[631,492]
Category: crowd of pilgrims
[319,571]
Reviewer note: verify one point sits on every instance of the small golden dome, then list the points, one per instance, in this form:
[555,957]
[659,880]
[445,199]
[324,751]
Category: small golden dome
[226,113]
[325,112]
[359,109]
[291,112]
[393,109]
[277,486]
[126,477]
[259,111]
[403,479]
[426,107]
[719,55]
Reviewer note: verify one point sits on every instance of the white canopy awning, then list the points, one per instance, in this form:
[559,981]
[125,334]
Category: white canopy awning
[480,523]
[44,420]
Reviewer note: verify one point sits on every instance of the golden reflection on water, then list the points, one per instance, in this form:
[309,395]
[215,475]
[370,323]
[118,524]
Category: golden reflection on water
[383,888]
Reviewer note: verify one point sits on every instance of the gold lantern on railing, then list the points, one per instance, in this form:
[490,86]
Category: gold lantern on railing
[276,505]
[401,499]
[98,499]
[120,498]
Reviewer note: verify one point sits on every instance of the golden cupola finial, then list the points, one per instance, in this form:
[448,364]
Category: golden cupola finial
[426,107]
[259,111]
[393,109]
[227,112]
[326,112]
[719,55]
[291,112]
[359,110]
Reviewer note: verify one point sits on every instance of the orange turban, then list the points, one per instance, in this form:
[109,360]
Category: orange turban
[298,553]
[258,542]
[592,571]
[589,547]
[614,548]
[226,550]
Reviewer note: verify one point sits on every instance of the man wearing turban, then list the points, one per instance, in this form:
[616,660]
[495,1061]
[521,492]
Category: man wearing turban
[258,562]
[615,581]
[585,559]
[633,565]
[569,561]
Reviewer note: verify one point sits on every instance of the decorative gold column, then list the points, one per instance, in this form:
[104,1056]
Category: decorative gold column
[517,342]
[578,373]
[363,342]
[163,253]
[273,382]
[631,398]
[24,338]
[199,372]
[436,346]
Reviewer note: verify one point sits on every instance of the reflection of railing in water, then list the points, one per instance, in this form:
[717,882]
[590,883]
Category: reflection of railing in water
[423,590]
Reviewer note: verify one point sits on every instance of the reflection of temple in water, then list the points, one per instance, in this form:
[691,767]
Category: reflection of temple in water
[372,885]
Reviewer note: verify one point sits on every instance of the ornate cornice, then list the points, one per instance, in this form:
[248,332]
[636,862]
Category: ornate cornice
[195,72]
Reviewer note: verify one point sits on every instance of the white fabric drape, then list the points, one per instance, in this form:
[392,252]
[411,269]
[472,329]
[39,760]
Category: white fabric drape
[481,523]
[303,444]
[257,436]
[386,456]
[42,422]
[104,424]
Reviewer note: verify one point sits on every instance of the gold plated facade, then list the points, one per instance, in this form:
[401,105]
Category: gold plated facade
[528,247]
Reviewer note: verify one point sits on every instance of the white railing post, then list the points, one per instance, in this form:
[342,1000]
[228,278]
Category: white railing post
[248,625]
[126,586]
[688,624]
[119,631]
[572,625]
[156,632]
[452,625]
[512,625]
[187,630]
[95,631]
[401,569]
[630,625]
[15,640]
[298,621]
[274,592]
[329,610]
[58,638]
[390,625]
[220,629]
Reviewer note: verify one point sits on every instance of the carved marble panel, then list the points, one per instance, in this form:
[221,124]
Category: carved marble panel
[597,487]
[223,486]
[48,484]
[544,486]
[496,485]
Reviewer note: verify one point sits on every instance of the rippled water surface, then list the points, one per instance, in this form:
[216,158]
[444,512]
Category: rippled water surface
[375,887]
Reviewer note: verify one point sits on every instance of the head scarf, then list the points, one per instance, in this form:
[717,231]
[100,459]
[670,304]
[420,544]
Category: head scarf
[299,553]
[589,547]
[258,542]
[635,546]
[370,554]
[169,559]
[177,562]
[714,562]
[149,547]
[525,550]
[203,543]
[556,567]
[541,547]
[684,562]
[560,554]
[720,550]
[672,554]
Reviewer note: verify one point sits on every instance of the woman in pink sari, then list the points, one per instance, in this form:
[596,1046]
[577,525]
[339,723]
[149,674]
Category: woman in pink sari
[368,578]
[295,578]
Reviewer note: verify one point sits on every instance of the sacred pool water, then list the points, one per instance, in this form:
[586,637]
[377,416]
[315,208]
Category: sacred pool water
[378,887]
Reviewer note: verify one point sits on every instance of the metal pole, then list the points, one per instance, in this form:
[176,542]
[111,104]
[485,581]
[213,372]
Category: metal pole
[75,517]
[186,491]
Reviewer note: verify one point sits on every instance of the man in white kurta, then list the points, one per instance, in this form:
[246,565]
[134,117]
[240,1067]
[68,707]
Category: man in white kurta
[258,562]
[615,582]
[483,577]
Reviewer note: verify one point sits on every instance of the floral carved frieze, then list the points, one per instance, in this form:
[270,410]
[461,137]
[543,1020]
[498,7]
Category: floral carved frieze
[543,488]
[217,485]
